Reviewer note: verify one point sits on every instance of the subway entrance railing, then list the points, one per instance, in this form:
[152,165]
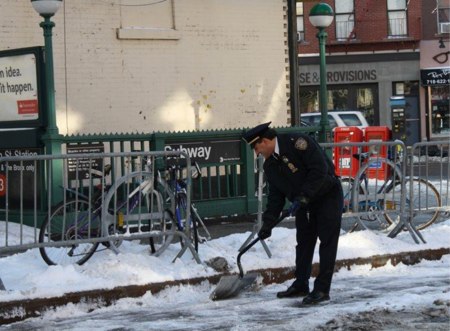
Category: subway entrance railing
[101,198]
[229,184]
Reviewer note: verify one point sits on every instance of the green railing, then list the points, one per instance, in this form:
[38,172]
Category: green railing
[227,186]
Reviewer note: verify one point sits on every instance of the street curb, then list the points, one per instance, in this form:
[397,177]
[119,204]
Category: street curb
[18,310]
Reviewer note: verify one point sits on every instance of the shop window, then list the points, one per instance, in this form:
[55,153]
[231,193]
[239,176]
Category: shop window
[345,19]
[397,18]
[300,22]
[407,88]
[440,110]
[365,103]
[338,99]
[443,16]
[361,97]
[147,20]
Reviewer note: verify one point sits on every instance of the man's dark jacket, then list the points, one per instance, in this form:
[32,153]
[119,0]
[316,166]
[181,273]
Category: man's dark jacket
[301,169]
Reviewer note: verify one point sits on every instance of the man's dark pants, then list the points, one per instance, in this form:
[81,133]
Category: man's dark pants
[324,222]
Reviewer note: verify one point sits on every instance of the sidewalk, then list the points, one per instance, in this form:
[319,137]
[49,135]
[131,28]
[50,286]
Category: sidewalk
[32,287]
[22,309]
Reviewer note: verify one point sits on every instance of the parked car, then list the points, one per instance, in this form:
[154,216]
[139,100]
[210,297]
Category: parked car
[337,118]
[313,134]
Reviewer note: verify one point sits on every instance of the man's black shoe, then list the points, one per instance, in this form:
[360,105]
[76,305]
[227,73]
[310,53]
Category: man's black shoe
[315,297]
[292,292]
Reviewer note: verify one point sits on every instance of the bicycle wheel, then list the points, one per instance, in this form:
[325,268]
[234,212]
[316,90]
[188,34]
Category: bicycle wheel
[181,201]
[195,224]
[349,221]
[375,179]
[167,229]
[423,202]
[71,220]
[133,206]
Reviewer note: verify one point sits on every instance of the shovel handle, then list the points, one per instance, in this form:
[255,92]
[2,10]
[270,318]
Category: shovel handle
[283,215]
[245,249]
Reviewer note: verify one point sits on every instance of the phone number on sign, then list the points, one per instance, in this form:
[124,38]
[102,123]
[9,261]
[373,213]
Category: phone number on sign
[438,81]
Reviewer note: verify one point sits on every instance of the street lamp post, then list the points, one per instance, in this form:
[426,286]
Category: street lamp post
[51,138]
[48,8]
[321,16]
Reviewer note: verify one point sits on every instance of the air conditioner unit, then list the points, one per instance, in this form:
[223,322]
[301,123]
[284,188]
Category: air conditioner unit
[444,27]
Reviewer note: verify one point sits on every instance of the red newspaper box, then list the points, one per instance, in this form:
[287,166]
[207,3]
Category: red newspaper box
[345,164]
[374,134]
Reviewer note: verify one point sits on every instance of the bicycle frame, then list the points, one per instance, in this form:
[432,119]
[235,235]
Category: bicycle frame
[178,187]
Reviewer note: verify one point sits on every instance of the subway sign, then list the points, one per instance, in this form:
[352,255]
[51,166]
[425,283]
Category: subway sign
[216,151]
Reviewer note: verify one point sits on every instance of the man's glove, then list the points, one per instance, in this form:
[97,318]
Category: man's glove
[302,201]
[266,228]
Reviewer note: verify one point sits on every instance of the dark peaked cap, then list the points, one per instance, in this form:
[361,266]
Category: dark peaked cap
[252,135]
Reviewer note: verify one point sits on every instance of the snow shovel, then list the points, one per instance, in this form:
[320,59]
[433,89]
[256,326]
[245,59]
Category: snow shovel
[231,286]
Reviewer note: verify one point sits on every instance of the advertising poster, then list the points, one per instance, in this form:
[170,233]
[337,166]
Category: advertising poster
[18,88]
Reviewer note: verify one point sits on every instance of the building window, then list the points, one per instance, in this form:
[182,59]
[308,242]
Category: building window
[406,88]
[443,16]
[345,19]
[397,18]
[147,20]
[440,110]
[300,22]
[360,97]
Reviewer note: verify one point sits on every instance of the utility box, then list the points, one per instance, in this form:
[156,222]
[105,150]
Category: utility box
[377,169]
[345,164]
[405,118]
[398,117]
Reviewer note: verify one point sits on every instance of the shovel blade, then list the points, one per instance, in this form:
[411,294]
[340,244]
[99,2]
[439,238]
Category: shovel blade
[231,286]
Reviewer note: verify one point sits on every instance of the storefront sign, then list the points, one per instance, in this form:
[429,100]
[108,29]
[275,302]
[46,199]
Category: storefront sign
[435,76]
[209,151]
[339,76]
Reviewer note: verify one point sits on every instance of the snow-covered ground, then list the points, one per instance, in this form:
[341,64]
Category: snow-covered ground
[387,298]
[387,291]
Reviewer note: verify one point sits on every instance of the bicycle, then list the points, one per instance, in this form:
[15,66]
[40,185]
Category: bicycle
[171,197]
[177,191]
[74,219]
[376,191]
[73,223]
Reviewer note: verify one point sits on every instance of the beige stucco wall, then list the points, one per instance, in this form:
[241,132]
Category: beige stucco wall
[224,65]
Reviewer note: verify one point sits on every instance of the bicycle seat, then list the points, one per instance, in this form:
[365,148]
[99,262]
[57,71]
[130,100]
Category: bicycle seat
[361,156]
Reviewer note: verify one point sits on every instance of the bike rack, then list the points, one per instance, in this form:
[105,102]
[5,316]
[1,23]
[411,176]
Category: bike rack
[108,219]
[405,217]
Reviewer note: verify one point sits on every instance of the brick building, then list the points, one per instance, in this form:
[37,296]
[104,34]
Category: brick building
[374,51]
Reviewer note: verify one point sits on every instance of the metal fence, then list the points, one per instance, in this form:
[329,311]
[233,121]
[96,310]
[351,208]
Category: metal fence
[92,199]
[387,187]
[430,160]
